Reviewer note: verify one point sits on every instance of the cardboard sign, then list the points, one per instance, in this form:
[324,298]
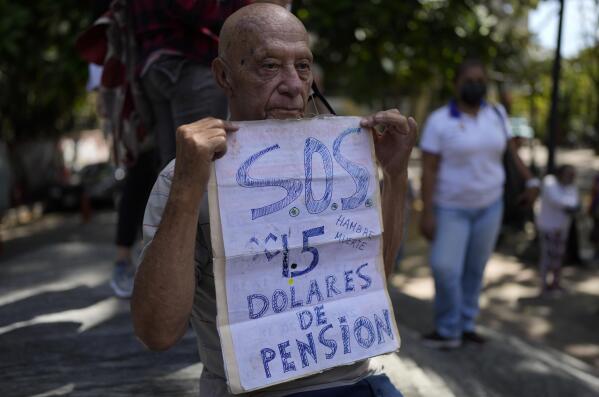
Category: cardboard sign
[297,238]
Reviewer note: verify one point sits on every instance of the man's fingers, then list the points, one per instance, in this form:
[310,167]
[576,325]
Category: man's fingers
[377,118]
[389,118]
[367,122]
[396,121]
[230,126]
[219,143]
[413,124]
[199,136]
[212,123]
[216,140]
[207,142]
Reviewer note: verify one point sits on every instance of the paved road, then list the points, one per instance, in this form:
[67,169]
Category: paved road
[62,334]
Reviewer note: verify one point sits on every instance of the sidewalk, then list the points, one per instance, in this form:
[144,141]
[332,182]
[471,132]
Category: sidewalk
[62,333]
[531,342]
[536,346]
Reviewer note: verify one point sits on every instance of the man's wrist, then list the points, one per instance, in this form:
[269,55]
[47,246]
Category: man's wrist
[395,176]
[187,196]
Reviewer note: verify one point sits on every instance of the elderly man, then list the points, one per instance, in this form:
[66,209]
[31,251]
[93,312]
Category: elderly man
[264,67]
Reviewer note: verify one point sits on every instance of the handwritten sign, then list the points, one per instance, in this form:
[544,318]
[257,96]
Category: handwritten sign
[297,239]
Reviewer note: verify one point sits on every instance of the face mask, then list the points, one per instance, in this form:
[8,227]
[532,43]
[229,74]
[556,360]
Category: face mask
[472,93]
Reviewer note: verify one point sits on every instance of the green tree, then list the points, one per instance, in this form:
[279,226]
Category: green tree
[42,79]
[382,50]
[580,94]
[531,92]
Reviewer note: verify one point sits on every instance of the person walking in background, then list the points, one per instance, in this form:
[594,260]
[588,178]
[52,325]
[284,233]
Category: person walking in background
[137,186]
[141,170]
[463,144]
[178,41]
[559,202]
[110,48]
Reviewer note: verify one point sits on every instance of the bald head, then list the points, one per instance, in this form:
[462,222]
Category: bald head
[258,19]
[264,63]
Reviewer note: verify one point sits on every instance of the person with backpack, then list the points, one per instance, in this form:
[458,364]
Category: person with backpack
[463,145]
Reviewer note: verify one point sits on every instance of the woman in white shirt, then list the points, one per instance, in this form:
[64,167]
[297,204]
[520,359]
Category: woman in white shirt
[559,202]
[462,188]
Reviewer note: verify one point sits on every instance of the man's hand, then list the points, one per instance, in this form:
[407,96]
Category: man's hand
[394,137]
[198,144]
[163,295]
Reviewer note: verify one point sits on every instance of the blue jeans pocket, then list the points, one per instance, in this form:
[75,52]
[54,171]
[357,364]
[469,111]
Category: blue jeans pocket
[169,67]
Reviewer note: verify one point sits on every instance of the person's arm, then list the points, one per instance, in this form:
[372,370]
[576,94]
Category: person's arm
[392,147]
[556,196]
[533,184]
[165,281]
[523,170]
[393,199]
[430,168]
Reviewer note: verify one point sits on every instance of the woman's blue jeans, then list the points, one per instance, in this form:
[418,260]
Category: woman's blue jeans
[464,241]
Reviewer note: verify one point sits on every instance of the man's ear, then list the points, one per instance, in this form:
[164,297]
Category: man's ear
[222,75]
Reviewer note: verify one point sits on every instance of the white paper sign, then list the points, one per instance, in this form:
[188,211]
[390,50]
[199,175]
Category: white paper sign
[297,238]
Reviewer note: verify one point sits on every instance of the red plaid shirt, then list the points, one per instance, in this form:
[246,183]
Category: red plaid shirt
[188,27]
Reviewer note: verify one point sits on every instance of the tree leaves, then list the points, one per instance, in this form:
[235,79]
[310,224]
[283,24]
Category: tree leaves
[382,49]
[41,77]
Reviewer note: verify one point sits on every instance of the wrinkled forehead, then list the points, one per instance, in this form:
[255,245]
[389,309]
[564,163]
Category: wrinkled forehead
[274,44]
[260,36]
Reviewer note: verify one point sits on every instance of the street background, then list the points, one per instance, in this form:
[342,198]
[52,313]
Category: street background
[63,333]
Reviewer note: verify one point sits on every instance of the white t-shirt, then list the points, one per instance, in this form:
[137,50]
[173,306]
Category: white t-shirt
[555,199]
[471,173]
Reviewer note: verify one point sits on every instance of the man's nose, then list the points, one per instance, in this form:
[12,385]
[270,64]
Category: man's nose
[291,83]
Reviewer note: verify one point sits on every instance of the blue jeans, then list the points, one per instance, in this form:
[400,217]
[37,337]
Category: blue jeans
[180,91]
[371,386]
[464,241]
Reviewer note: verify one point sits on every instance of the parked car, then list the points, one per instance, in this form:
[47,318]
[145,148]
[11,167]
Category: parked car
[100,182]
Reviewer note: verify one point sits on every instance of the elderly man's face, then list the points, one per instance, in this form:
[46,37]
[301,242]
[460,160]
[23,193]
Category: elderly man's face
[271,75]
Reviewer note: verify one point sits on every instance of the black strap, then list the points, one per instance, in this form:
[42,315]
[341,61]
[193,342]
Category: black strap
[503,121]
[316,93]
